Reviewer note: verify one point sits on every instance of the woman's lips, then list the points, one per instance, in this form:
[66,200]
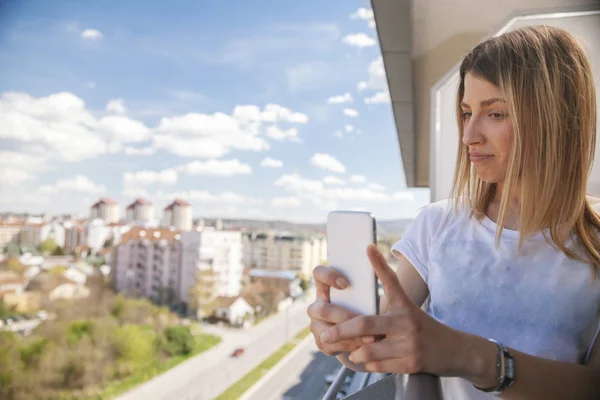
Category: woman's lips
[479,157]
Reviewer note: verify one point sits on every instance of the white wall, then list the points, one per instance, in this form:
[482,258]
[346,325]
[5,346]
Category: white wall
[444,131]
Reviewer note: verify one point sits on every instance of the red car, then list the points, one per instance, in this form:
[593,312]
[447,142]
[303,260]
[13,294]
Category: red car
[238,352]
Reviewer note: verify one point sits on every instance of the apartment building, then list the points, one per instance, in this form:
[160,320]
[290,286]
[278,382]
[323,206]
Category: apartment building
[147,263]
[284,251]
[9,232]
[218,251]
[141,211]
[178,215]
[105,209]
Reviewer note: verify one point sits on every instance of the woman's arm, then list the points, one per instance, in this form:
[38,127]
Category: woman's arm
[535,377]
[415,288]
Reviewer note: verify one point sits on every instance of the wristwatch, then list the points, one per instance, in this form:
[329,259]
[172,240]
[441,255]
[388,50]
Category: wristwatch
[505,370]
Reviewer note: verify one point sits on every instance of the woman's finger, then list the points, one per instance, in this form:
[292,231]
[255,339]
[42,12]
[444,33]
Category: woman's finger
[328,312]
[326,277]
[391,347]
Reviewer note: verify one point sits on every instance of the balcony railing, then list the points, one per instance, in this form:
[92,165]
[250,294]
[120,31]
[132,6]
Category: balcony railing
[367,386]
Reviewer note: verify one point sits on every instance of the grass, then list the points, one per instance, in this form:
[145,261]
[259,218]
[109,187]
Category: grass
[204,342]
[236,390]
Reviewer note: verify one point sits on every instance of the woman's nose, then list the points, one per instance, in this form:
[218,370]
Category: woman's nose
[471,133]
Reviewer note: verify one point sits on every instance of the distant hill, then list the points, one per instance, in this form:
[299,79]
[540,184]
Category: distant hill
[385,227]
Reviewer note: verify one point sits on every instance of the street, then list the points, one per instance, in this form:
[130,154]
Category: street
[301,377]
[207,375]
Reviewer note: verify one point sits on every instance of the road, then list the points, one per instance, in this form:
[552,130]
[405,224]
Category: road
[207,375]
[301,377]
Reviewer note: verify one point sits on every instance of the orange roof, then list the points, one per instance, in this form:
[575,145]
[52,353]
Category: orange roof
[104,200]
[139,202]
[138,232]
[177,202]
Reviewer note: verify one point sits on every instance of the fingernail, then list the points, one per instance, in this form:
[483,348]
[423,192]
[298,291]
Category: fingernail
[342,283]
[325,337]
[351,357]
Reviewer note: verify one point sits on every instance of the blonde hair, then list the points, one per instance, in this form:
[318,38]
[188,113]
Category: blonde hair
[547,81]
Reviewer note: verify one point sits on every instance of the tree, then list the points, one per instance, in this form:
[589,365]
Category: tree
[13,264]
[48,246]
[202,294]
[58,251]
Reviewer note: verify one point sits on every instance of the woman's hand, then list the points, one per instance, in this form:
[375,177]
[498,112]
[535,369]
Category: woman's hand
[414,342]
[323,315]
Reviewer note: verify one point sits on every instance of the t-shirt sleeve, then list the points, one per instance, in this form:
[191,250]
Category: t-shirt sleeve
[416,240]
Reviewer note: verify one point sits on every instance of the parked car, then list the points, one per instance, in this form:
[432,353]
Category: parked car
[238,352]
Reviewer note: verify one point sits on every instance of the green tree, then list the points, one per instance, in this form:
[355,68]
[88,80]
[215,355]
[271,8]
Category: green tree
[134,343]
[58,251]
[179,340]
[5,312]
[48,246]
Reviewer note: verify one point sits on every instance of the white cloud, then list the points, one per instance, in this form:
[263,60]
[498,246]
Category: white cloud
[333,180]
[135,192]
[271,113]
[21,161]
[375,186]
[379,98]
[359,40]
[362,86]
[91,85]
[403,196]
[358,179]
[134,151]
[338,134]
[377,79]
[91,34]
[208,136]
[269,162]
[276,133]
[79,183]
[60,127]
[216,168]
[365,14]
[327,197]
[344,98]
[207,197]
[116,106]
[146,177]
[13,176]
[328,162]
[291,201]
[47,189]
[350,112]
[349,128]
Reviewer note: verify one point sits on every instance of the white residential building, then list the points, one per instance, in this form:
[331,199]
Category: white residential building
[106,209]
[54,230]
[147,263]
[140,211]
[220,251]
[178,215]
[284,251]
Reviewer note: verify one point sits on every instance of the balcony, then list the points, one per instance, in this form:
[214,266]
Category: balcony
[367,385]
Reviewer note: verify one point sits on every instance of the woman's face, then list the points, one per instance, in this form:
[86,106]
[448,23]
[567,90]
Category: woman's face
[488,132]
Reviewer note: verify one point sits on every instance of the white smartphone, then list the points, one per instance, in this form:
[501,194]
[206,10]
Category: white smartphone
[349,233]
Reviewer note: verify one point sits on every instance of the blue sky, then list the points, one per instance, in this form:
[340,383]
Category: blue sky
[263,110]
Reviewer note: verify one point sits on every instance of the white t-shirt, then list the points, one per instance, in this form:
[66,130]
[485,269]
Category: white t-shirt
[538,302]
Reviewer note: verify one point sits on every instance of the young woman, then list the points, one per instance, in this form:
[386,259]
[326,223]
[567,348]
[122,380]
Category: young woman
[511,260]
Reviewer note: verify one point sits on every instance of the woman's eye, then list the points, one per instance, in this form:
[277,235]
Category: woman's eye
[466,114]
[497,115]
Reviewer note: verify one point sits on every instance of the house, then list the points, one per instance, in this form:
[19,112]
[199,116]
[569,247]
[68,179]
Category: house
[286,281]
[13,294]
[57,287]
[235,310]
